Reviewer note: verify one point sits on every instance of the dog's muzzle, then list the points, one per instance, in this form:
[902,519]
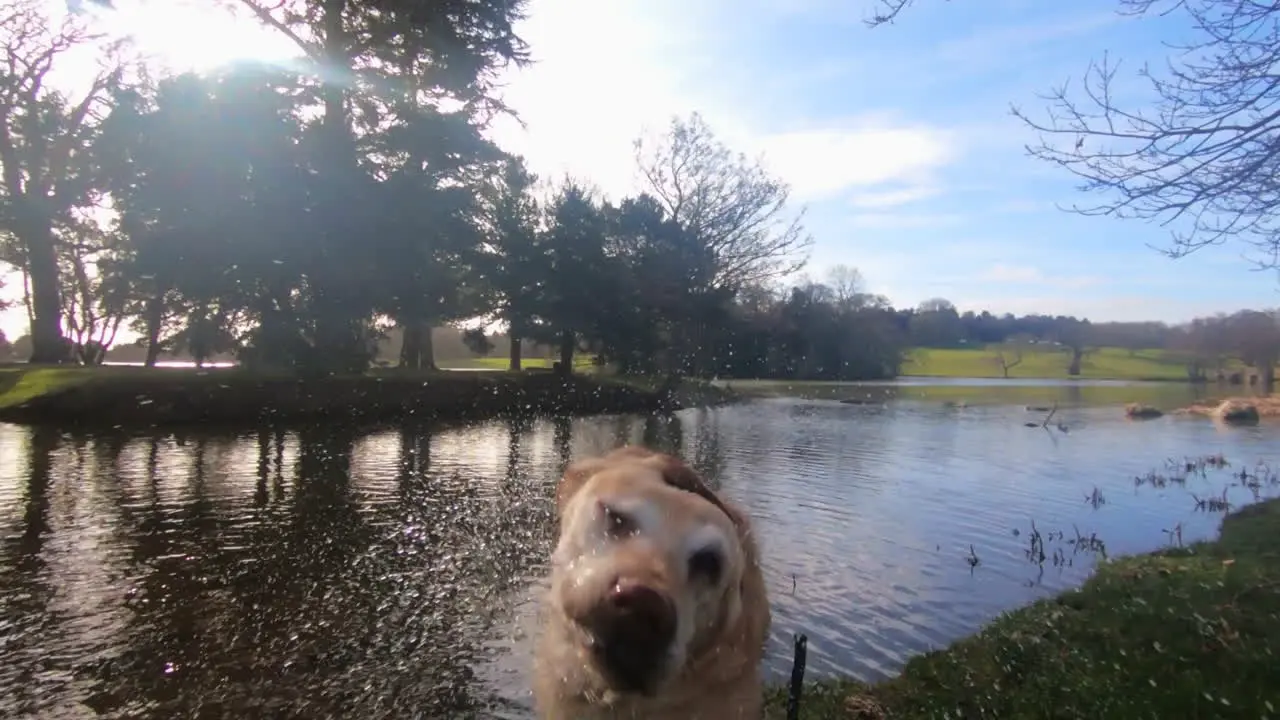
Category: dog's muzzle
[632,628]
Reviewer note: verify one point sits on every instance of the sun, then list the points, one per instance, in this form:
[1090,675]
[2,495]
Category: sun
[194,35]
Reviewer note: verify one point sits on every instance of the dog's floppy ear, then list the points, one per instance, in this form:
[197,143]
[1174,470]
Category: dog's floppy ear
[579,472]
[677,474]
[575,476]
[674,470]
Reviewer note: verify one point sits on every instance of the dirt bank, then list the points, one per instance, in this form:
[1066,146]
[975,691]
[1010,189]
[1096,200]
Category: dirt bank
[142,397]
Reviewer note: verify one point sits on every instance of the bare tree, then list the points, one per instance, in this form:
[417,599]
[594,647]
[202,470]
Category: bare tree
[732,205]
[1077,337]
[1008,356]
[45,138]
[1203,160]
[847,284]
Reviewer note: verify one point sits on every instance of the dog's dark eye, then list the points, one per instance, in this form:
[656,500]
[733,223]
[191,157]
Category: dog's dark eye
[618,524]
[706,564]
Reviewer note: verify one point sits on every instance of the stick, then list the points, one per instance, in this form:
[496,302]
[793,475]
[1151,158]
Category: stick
[797,678]
[1049,417]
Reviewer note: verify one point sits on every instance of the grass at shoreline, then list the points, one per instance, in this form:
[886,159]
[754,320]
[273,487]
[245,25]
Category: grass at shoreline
[1046,362]
[1186,633]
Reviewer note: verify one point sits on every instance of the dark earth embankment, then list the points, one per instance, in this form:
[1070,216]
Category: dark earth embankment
[147,397]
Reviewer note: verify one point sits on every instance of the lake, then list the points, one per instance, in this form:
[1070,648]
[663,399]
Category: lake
[394,572]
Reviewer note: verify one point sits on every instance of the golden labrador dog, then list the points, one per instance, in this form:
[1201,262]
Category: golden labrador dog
[657,607]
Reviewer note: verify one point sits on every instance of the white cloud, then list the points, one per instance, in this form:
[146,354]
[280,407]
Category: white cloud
[606,73]
[892,198]
[1012,273]
[1029,275]
[824,162]
[603,73]
[903,221]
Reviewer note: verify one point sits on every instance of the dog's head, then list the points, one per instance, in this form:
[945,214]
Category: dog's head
[651,568]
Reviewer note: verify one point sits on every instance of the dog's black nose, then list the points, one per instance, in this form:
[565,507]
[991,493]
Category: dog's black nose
[633,628]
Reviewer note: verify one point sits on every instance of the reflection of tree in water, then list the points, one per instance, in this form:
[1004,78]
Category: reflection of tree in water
[310,605]
[171,539]
[562,427]
[707,455]
[664,433]
[229,614]
[25,593]
[460,551]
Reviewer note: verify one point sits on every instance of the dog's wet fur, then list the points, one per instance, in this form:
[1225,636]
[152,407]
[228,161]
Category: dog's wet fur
[657,607]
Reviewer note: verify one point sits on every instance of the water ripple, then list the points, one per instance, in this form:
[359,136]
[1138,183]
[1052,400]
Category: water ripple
[333,573]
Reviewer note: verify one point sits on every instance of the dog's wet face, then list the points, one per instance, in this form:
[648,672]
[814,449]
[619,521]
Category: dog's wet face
[644,571]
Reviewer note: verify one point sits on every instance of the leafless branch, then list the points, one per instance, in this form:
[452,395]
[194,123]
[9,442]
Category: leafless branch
[887,11]
[732,205]
[1204,160]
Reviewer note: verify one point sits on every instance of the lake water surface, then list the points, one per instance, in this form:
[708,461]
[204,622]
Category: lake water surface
[394,573]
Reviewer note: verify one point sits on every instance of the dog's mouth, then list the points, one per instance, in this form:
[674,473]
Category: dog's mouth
[629,635]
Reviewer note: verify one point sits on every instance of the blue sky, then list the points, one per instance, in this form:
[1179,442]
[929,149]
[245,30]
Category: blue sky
[899,140]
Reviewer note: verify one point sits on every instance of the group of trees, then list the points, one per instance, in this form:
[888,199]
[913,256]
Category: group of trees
[290,215]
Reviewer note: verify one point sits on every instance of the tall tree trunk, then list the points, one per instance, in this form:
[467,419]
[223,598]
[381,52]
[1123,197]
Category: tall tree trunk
[154,318]
[568,343]
[1077,354]
[515,352]
[428,359]
[417,352]
[410,346]
[47,343]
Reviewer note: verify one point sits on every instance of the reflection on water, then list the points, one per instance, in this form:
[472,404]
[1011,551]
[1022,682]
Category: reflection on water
[326,573]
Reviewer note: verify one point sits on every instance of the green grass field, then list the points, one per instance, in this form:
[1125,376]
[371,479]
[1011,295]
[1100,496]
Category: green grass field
[20,382]
[1189,633]
[1046,362]
[581,363]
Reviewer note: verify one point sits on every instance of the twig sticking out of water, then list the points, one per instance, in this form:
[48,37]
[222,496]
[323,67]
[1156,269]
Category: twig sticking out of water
[1157,480]
[796,686]
[1213,504]
[1174,535]
[1095,498]
[1037,551]
[1049,417]
[1088,543]
[973,559]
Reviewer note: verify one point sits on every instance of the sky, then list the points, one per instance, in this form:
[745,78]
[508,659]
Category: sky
[898,142]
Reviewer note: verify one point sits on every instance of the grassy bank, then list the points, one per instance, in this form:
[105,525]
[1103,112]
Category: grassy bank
[1192,633]
[1046,362]
[134,396]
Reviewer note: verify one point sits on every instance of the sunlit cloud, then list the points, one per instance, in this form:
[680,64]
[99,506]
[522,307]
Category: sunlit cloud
[193,35]
[821,163]
[877,199]
[1026,274]
[607,74]
[904,220]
